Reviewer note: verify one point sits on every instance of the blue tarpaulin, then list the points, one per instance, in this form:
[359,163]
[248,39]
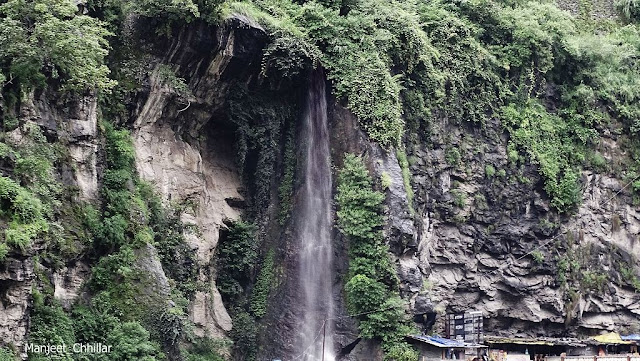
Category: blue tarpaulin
[443,342]
[439,341]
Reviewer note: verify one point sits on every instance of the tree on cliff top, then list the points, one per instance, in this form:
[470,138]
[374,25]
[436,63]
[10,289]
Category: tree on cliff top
[46,39]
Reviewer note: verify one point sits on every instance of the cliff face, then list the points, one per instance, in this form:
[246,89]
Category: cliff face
[187,154]
[72,122]
[491,242]
[466,229]
[187,151]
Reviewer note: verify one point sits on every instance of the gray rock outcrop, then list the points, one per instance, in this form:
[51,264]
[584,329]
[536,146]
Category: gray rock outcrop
[184,148]
[493,243]
[16,280]
[72,120]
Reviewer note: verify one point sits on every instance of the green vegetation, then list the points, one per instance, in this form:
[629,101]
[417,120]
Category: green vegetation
[178,85]
[575,271]
[131,342]
[358,49]
[628,9]
[480,201]
[594,280]
[471,61]
[205,350]
[459,198]
[168,236]
[49,325]
[452,156]
[538,256]
[130,218]
[285,191]
[123,205]
[385,180]
[237,254]
[244,335]
[597,162]
[24,212]
[166,15]
[371,286]
[263,286]
[35,208]
[45,40]
[629,276]
[489,171]
[30,197]
[7,355]
[32,159]
[544,137]
[260,117]
[553,84]
[406,177]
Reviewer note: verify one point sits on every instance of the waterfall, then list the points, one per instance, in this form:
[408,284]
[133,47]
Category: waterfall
[313,231]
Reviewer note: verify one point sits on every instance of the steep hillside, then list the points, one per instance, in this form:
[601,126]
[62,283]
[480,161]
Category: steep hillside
[161,177]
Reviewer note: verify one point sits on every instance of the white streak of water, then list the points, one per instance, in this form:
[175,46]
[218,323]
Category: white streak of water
[314,230]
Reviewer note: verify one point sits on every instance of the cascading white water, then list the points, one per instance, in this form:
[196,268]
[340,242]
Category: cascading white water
[314,231]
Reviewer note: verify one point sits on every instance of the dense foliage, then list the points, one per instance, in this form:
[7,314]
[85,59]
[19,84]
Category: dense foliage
[165,15]
[238,258]
[36,210]
[371,286]
[24,211]
[263,285]
[261,116]
[551,82]
[469,62]
[34,207]
[357,49]
[628,9]
[237,255]
[132,219]
[45,39]
[51,325]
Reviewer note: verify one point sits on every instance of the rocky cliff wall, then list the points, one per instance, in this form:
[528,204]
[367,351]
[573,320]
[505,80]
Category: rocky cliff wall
[462,237]
[186,149]
[478,240]
[491,242]
[72,122]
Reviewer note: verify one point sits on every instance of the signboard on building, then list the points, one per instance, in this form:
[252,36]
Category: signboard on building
[466,327]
